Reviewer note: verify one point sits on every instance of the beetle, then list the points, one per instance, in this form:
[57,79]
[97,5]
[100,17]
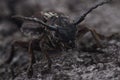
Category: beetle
[51,31]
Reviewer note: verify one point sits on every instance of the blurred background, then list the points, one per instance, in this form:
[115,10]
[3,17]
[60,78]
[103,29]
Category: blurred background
[105,19]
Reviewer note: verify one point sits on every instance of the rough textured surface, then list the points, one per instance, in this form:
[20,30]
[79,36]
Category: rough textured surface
[87,63]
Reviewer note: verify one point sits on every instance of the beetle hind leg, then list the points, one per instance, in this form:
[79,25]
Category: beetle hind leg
[12,49]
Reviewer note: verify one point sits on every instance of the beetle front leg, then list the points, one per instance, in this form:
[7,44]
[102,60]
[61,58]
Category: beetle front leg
[95,35]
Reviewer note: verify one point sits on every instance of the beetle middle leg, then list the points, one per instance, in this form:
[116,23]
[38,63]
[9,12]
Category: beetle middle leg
[49,59]
[44,48]
[32,59]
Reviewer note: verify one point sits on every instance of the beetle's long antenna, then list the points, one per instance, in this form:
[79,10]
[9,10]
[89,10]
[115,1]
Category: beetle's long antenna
[34,20]
[90,10]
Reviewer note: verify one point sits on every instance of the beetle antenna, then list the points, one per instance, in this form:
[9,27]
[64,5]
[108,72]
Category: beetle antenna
[90,10]
[34,20]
